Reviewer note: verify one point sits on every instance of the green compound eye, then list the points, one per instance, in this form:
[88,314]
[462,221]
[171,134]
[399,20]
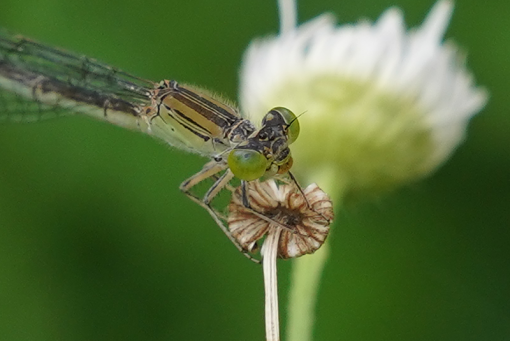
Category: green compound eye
[292,122]
[247,164]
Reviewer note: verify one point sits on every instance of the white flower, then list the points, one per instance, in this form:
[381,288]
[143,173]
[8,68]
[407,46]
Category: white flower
[381,105]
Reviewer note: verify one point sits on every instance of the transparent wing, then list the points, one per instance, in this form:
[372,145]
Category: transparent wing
[29,70]
[17,109]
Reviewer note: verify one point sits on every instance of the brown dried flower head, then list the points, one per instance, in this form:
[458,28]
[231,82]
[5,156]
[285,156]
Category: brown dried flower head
[305,225]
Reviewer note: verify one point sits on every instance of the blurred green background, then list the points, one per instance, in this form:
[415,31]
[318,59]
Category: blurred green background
[97,242]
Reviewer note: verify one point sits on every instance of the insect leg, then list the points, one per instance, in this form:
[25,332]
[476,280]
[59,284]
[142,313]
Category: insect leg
[294,180]
[210,170]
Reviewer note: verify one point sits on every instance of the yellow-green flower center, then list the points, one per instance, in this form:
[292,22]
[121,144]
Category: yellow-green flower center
[370,138]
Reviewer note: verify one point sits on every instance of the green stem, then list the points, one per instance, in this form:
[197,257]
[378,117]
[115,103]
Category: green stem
[307,270]
[306,274]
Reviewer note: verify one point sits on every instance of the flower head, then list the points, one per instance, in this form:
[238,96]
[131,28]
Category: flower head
[382,106]
[304,217]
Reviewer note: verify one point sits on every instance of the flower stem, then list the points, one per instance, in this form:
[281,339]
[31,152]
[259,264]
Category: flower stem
[306,274]
[270,253]
[307,270]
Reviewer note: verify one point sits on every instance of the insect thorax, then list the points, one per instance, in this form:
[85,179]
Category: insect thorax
[240,131]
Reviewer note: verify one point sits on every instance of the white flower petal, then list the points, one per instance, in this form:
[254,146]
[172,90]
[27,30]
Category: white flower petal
[382,105]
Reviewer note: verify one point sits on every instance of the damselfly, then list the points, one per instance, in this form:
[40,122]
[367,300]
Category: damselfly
[38,81]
